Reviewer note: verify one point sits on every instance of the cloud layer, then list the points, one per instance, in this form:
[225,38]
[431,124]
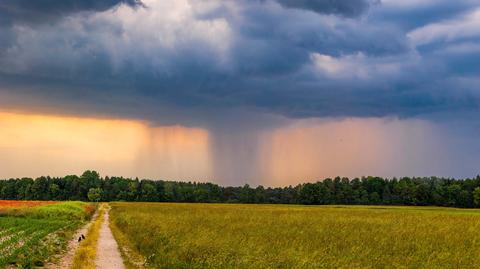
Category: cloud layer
[41,11]
[346,8]
[195,61]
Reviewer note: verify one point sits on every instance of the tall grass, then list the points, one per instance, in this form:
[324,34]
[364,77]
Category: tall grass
[131,258]
[268,236]
[86,254]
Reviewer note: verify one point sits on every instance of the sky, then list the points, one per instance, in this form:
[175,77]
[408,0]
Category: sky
[271,92]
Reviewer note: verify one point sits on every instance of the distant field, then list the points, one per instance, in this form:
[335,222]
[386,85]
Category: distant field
[30,232]
[276,236]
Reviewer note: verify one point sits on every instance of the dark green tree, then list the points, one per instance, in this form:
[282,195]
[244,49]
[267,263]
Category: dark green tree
[94,194]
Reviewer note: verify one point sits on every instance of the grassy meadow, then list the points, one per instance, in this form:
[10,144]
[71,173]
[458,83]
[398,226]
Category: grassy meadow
[281,236]
[31,232]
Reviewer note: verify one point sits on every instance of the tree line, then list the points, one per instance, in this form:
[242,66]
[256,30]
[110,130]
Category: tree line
[90,186]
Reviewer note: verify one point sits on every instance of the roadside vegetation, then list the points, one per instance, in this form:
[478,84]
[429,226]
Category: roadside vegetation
[172,235]
[132,259]
[31,231]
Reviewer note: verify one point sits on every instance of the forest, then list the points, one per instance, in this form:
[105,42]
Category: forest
[90,186]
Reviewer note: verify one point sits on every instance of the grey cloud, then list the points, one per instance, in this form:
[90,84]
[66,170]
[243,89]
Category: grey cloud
[410,15]
[348,8]
[243,56]
[40,11]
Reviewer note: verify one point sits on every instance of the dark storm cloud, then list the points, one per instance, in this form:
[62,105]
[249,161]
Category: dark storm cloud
[197,62]
[39,11]
[412,14]
[348,8]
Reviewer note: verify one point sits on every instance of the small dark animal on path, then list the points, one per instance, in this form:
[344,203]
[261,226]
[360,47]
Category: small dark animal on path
[83,237]
[79,239]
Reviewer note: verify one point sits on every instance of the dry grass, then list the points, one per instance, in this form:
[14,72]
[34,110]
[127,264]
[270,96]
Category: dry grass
[86,254]
[274,236]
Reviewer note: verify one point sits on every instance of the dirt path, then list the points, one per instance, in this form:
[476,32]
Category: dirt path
[108,255]
[67,259]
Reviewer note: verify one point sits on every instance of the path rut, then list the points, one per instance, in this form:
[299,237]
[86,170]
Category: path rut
[108,254]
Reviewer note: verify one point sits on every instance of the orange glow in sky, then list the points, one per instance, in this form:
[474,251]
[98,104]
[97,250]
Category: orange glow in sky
[300,151]
[33,145]
[311,150]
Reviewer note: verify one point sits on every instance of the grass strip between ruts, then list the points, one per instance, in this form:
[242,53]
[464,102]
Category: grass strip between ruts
[86,254]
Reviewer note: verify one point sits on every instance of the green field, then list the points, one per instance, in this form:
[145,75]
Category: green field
[31,235]
[276,236]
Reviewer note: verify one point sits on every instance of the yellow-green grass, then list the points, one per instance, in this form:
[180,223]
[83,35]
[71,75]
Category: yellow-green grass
[86,253]
[29,236]
[132,259]
[280,236]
